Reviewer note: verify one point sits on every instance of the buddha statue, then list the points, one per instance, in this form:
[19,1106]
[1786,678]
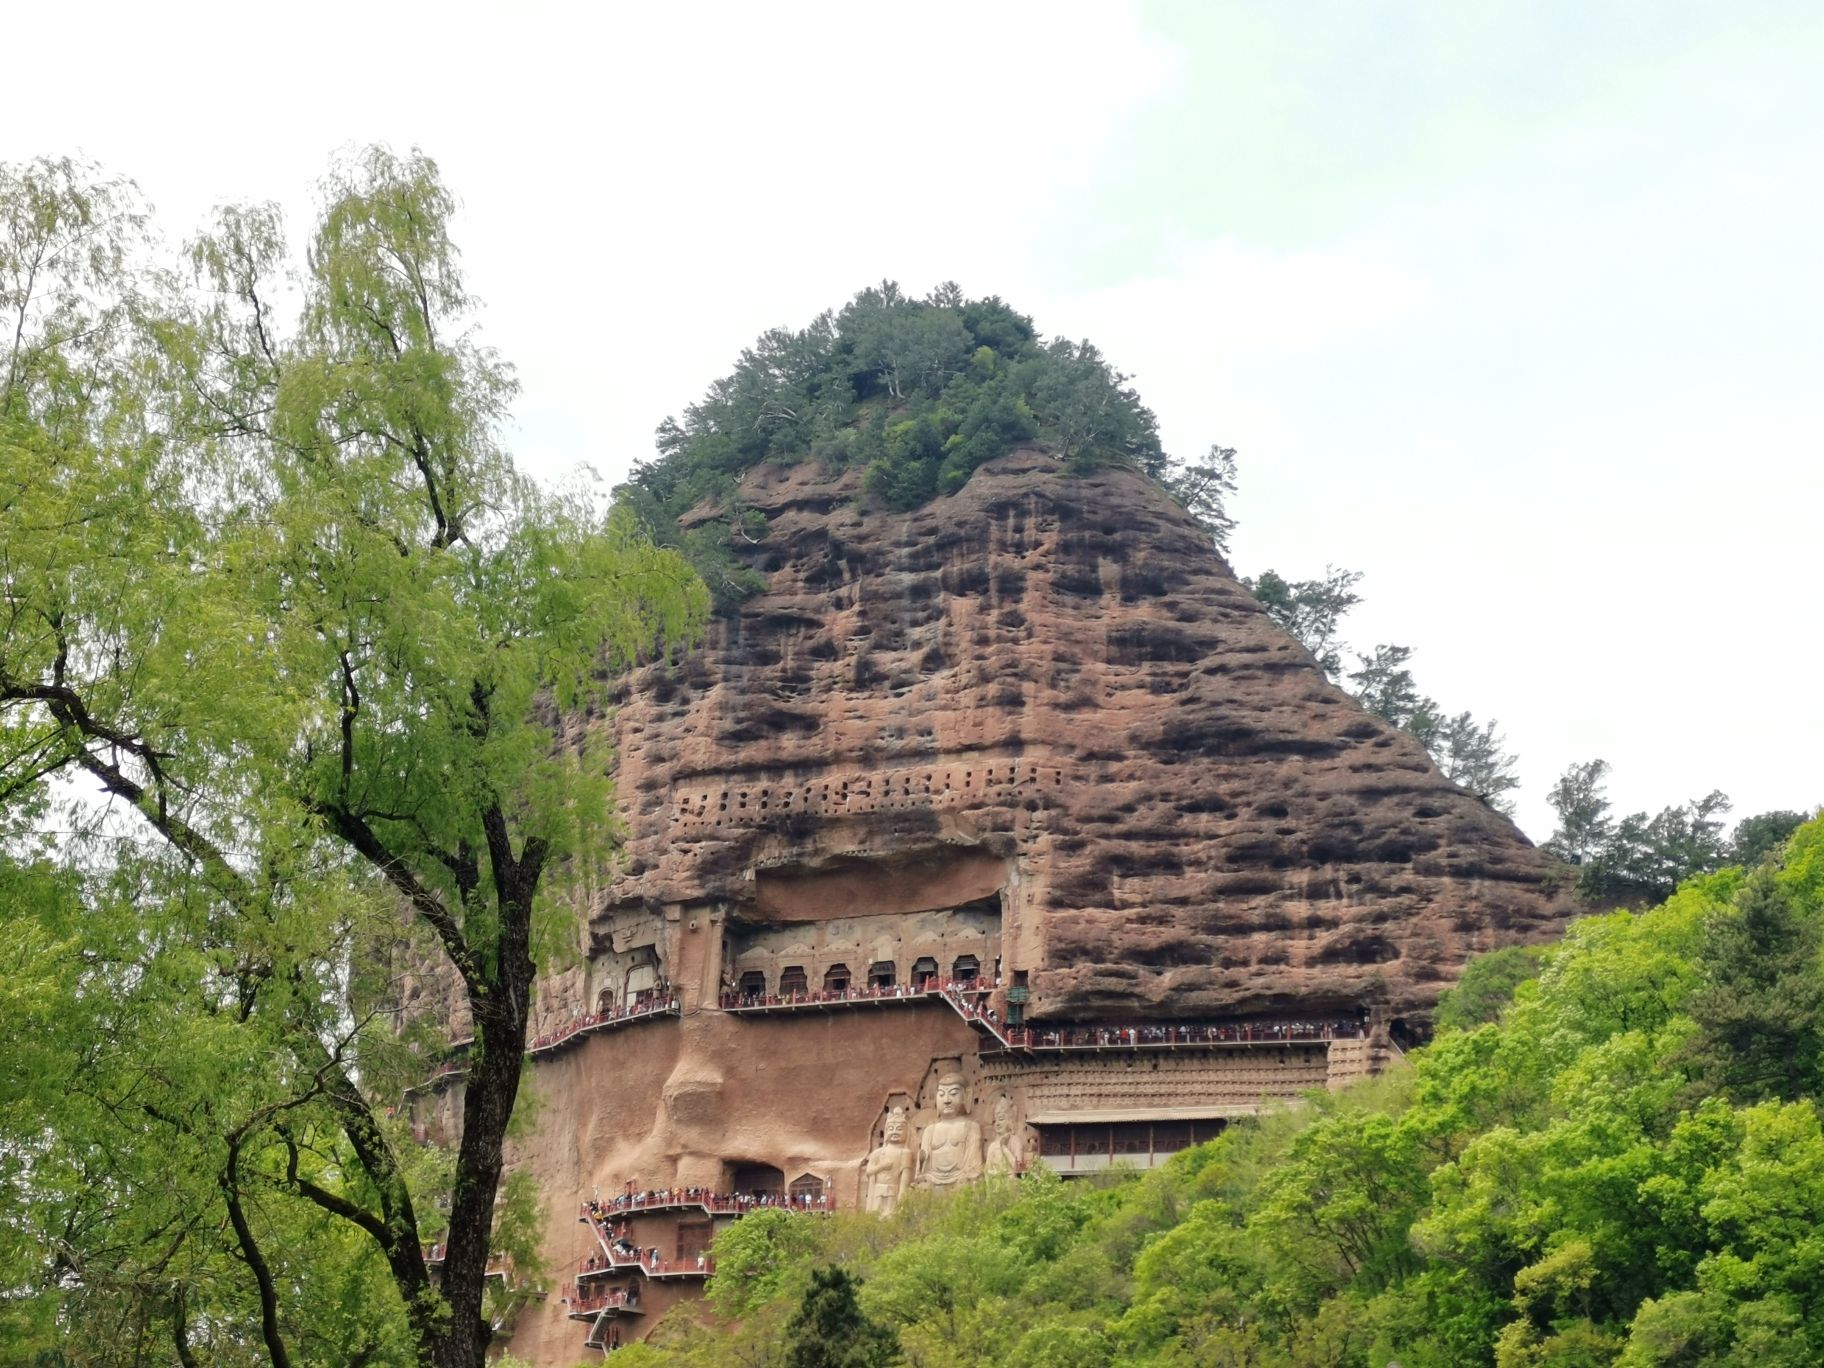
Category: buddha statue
[950,1148]
[887,1171]
[1003,1155]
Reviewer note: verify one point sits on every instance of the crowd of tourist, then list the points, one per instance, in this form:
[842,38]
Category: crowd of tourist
[585,1301]
[871,992]
[624,1253]
[965,996]
[1154,1033]
[657,1003]
[721,1203]
[1233,1033]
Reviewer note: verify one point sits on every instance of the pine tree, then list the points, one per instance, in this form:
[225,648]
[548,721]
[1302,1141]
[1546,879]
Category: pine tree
[1760,1009]
[829,1329]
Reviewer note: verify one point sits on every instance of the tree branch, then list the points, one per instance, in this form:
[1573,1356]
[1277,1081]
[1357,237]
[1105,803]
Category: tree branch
[360,837]
[256,1261]
[331,1202]
[180,1333]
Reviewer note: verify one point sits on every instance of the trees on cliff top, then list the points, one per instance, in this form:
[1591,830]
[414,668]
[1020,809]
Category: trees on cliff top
[283,642]
[918,392]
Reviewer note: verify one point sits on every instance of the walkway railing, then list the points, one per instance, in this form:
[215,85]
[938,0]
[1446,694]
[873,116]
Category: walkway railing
[551,1042]
[866,996]
[968,998]
[714,1203]
[1166,1037]
[604,1334]
[622,1255]
[585,1303]
[619,1253]
[591,1022]
[1150,1035]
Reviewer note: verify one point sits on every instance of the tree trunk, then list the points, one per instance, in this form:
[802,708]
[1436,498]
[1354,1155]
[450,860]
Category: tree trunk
[491,1088]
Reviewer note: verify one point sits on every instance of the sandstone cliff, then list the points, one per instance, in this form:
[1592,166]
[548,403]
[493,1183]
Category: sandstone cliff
[1036,733]
[1057,675]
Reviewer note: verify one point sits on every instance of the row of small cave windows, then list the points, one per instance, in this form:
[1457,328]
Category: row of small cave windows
[881,974]
[908,785]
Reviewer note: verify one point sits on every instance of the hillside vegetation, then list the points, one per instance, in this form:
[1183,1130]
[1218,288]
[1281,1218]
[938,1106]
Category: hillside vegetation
[1611,1155]
[919,392]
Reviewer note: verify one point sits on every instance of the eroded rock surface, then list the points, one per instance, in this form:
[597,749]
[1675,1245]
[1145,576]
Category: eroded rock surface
[1058,676]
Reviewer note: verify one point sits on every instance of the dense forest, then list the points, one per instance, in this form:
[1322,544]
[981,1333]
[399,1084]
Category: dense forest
[1610,1155]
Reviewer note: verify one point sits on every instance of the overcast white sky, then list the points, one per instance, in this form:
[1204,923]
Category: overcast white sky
[1516,308]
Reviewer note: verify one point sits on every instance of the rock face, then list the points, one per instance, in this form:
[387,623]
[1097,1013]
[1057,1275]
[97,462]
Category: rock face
[1034,735]
[1055,683]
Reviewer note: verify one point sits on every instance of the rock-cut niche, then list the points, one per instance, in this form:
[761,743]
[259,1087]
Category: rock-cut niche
[880,926]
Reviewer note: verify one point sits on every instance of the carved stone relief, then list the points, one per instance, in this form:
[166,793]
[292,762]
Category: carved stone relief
[887,1171]
[1006,1150]
[950,1147]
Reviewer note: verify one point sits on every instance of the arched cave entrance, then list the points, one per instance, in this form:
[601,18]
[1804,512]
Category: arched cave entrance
[806,1188]
[967,969]
[753,985]
[793,979]
[924,972]
[759,1179]
[642,977]
[836,979]
[881,974]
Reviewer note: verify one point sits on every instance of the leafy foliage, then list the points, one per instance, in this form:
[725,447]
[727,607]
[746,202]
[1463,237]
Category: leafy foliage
[1760,1008]
[829,1330]
[1596,1162]
[1311,610]
[1639,858]
[918,392]
[1488,984]
[1469,752]
[283,645]
[1204,487]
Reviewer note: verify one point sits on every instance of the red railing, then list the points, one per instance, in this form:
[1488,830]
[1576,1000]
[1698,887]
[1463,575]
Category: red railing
[586,1303]
[715,1203]
[552,1041]
[664,1005]
[1157,1036]
[1151,1035]
[966,996]
[869,993]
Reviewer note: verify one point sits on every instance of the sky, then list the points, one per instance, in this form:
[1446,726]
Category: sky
[1517,309]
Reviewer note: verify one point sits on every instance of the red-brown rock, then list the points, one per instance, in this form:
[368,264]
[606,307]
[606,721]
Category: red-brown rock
[1057,676]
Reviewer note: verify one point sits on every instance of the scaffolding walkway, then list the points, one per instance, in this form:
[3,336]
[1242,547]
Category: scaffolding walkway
[550,1043]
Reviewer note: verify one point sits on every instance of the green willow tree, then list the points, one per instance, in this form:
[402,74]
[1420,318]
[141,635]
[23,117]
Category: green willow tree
[278,596]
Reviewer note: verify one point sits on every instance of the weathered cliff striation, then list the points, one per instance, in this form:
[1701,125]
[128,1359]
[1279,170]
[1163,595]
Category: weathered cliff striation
[1059,676]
